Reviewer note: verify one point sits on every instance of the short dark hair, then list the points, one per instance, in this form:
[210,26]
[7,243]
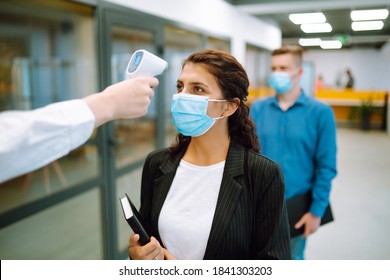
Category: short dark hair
[295,50]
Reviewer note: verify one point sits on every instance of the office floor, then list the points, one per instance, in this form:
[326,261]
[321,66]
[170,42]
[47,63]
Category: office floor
[360,199]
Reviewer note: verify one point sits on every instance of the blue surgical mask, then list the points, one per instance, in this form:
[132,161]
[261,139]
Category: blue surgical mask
[189,114]
[281,82]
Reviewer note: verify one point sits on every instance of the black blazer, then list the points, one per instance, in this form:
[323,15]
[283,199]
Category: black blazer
[250,219]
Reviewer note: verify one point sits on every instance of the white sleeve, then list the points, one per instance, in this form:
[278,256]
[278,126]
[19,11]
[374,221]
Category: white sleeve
[32,139]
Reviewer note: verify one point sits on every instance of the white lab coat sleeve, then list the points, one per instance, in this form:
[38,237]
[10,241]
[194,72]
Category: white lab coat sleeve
[32,139]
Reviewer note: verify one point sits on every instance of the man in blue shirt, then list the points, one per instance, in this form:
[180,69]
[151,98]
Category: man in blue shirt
[299,133]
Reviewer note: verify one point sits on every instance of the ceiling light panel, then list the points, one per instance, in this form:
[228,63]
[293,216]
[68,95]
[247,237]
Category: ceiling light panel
[308,42]
[316,27]
[369,14]
[367,25]
[307,18]
[331,44]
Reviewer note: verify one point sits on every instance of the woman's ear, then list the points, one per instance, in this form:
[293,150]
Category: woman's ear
[232,107]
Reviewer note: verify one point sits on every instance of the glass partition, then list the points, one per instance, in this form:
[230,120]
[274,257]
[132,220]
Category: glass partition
[47,54]
[69,230]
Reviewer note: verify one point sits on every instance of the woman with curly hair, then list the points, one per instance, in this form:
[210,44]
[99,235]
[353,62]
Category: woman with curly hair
[212,195]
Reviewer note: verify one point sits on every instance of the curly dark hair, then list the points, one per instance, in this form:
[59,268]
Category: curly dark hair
[233,81]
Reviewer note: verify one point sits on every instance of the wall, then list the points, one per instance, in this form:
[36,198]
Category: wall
[216,17]
[369,66]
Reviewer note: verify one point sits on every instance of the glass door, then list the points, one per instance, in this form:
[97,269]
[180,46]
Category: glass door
[126,143]
[134,137]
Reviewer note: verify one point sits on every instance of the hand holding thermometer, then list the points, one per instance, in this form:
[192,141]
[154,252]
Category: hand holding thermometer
[144,63]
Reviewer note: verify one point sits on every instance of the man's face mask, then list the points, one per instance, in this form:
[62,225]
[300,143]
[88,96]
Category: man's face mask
[281,82]
[189,114]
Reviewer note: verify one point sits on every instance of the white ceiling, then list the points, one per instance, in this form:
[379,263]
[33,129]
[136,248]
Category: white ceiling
[337,13]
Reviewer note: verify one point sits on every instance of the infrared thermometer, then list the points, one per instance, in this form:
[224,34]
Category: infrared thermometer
[144,63]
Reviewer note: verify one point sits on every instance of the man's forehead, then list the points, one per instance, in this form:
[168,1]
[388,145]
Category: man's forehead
[285,56]
[283,60]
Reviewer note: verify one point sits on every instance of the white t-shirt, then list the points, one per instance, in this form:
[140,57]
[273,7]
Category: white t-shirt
[32,139]
[185,220]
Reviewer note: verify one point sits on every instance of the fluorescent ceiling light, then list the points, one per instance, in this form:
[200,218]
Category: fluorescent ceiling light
[307,18]
[331,44]
[309,42]
[369,14]
[367,25]
[316,27]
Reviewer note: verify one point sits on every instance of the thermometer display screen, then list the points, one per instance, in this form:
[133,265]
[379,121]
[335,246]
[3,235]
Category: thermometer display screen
[137,58]
[135,62]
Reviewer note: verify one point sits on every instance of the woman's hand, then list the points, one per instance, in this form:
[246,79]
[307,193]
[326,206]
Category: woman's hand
[150,251]
[168,256]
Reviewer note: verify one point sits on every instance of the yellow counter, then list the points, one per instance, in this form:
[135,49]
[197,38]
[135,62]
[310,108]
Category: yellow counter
[347,104]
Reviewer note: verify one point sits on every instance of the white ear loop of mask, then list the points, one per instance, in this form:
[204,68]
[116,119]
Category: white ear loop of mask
[217,100]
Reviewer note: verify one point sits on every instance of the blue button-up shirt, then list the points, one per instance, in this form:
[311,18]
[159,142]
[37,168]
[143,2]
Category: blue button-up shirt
[302,140]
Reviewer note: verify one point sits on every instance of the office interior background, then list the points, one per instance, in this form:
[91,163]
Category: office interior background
[58,50]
